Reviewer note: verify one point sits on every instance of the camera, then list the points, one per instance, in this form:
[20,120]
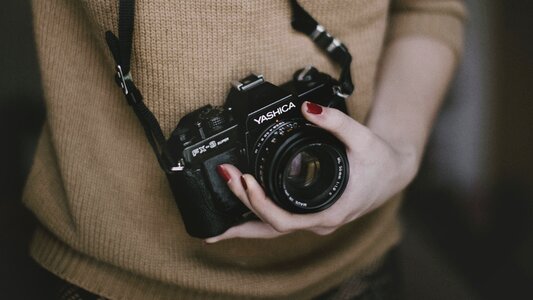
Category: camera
[261,130]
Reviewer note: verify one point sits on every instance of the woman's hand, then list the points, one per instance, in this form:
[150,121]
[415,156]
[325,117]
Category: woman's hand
[378,170]
[384,157]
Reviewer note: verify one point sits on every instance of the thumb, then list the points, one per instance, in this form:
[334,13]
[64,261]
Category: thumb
[342,126]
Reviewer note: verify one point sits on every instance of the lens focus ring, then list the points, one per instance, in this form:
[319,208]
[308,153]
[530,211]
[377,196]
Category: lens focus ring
[310,187]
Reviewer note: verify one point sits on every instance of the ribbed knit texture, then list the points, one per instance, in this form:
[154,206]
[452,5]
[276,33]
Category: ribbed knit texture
[109,221]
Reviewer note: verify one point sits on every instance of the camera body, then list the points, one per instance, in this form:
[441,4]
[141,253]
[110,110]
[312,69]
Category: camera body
[260,129]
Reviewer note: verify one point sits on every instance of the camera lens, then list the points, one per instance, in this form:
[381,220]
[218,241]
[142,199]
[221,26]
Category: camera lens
[303,168]
[311,174]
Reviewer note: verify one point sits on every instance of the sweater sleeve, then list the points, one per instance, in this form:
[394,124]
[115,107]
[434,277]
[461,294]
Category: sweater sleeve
[442,20]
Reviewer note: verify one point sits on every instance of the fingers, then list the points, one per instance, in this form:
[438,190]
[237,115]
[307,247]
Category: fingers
[280,219]
[252,229]
[250,192]
[238,185]
[258,230]
[346,129]
[232,177]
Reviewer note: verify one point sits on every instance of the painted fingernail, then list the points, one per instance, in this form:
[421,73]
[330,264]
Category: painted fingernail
[243,182]
[313,108]
[223,173]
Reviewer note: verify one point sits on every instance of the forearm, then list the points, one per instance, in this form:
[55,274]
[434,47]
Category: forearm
[414,76]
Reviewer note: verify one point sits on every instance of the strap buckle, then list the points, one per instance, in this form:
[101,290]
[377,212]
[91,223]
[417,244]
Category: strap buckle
[324,39]
[121,80]
[337,90]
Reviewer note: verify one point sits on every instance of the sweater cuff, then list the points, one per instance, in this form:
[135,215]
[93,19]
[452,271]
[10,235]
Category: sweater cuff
[446,28]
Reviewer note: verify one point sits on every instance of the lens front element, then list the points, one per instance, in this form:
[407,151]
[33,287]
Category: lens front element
[302,167]
[302,171]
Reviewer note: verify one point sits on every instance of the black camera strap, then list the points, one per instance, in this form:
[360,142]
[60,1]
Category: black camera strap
[121,49]
[303,22]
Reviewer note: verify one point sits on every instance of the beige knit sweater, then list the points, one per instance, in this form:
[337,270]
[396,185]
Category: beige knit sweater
[108,221]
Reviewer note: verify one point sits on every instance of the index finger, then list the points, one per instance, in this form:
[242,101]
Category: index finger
[280,219]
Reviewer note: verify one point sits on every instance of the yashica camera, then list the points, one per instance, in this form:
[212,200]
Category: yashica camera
[261,130]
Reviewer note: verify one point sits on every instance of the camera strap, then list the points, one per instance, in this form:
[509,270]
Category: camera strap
[121,48]
[303,22]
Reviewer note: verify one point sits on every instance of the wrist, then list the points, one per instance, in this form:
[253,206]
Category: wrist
[407,157]
[409,162]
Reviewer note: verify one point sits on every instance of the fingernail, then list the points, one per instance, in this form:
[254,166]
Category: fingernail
[223,173]
[243,182]
[313,108]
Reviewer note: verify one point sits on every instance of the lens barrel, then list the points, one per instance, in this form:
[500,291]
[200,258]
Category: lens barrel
[303,168]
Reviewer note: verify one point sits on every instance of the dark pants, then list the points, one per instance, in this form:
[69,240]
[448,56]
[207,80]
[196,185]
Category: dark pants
[379,284]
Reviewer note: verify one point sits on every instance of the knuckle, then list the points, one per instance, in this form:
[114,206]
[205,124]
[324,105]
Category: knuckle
[281,227]
[324,231]
[349,218]
[331,221]
[255,201]
[366,139]
[234,187]
[337,121]
[241,195]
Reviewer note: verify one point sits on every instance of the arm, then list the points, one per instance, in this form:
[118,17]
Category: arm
[384,155]
[414,77]
[425,40]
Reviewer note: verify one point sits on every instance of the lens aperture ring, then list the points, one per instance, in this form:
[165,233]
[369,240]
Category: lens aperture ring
[268,143]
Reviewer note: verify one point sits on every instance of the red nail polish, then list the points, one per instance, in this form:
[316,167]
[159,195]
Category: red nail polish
[243,182]
[313,108]
[223,173]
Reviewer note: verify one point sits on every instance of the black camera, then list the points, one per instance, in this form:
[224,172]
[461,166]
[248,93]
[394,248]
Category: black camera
[260,130]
